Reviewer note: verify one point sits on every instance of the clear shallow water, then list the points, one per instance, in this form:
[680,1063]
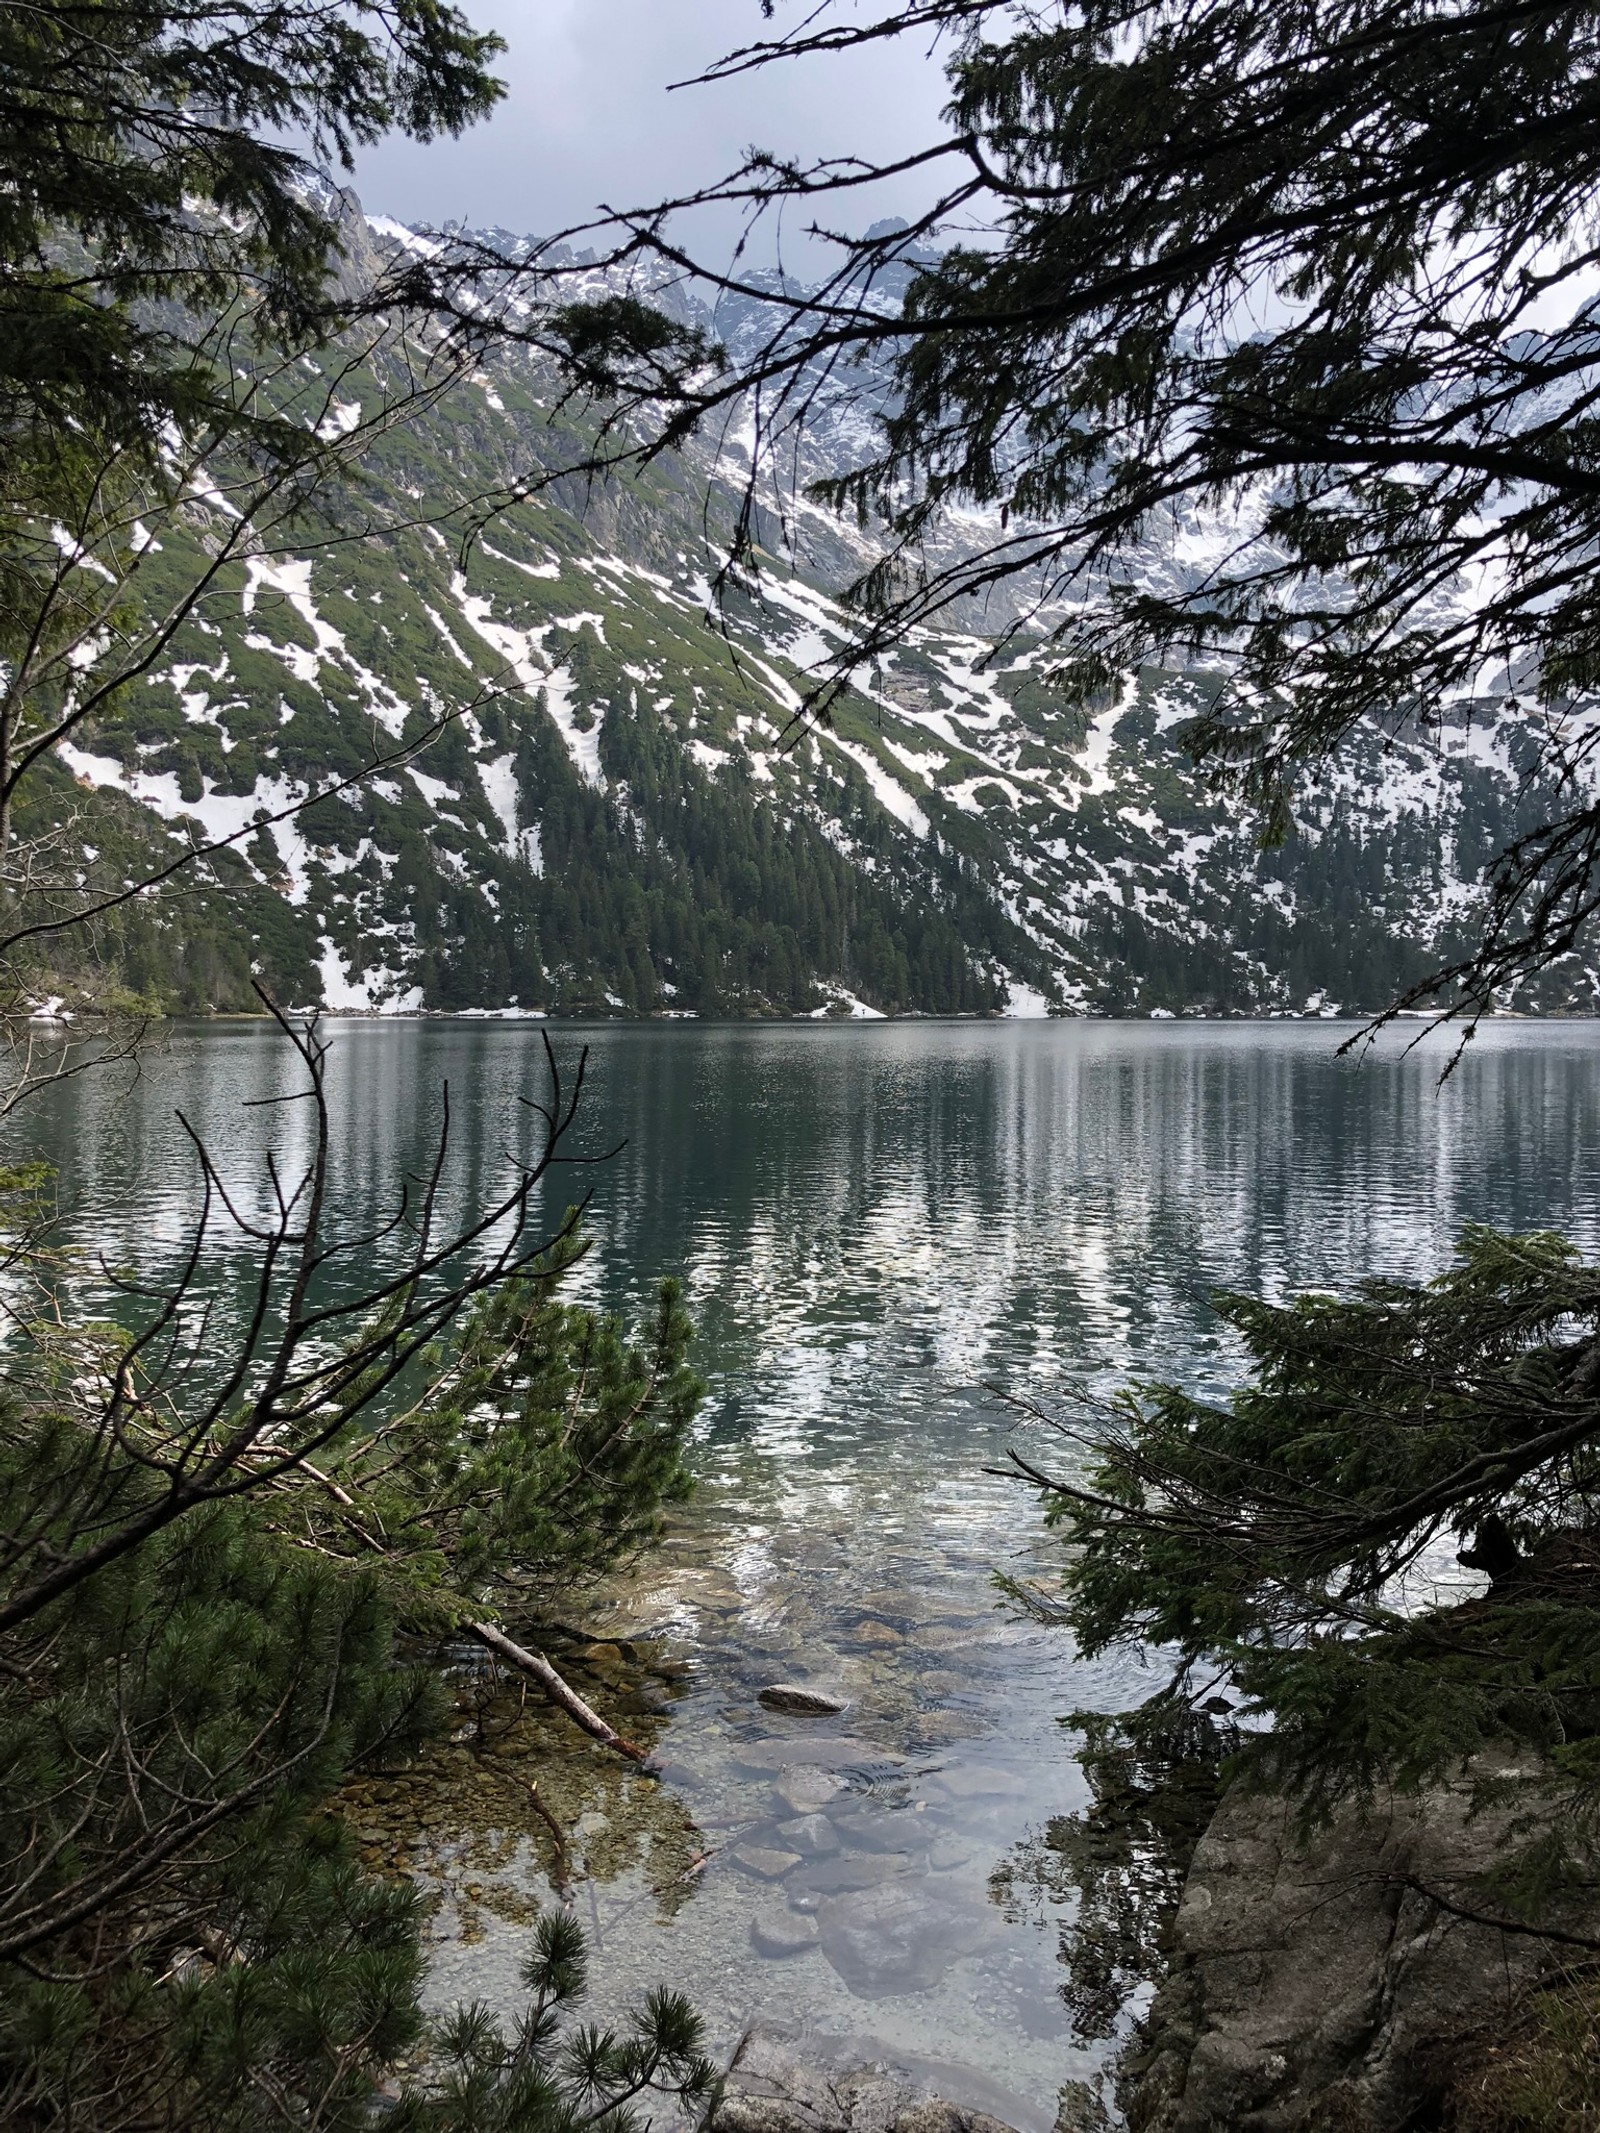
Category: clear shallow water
[872,1223]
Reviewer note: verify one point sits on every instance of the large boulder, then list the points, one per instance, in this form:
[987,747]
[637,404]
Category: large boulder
[801,1700]
[1332,1982]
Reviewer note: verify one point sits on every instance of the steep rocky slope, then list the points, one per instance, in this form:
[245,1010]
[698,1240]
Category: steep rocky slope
[624,817]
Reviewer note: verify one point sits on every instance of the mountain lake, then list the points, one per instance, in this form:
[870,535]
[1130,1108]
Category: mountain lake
[875,1225]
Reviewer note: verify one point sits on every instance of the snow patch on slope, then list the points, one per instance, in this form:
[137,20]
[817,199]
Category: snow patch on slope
[378,991]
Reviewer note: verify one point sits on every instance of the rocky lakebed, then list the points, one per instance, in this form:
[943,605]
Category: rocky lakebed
[864,1848]
[843,1838]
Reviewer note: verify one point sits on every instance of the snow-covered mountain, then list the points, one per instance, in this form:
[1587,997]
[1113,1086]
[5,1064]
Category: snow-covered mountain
[622,815]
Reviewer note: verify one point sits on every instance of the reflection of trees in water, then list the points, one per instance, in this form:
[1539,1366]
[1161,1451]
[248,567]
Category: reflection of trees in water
[1117,1870]
[1091,1181]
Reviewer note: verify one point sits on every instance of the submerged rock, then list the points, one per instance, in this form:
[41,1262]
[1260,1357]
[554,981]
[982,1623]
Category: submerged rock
[1317,1982]
[876,1636]
[838,1754]
[948,1851]
[858,1870]
[779,2084]
[765,1862]
[803,1792]
[776,1931]
[880,1830]
[804,1702]
[944,1729]
[812,1836]
[897,1937]
[979,1781]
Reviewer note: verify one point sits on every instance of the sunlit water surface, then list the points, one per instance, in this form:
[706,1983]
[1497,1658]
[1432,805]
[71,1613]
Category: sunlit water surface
[873,1225]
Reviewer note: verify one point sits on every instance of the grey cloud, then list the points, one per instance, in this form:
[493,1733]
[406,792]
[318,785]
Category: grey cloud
[588,117]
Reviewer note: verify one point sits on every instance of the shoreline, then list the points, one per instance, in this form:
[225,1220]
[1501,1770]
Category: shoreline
[44,1019]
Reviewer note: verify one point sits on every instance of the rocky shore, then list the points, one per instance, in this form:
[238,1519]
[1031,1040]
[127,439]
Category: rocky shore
[1338,1982]
[1349,1981]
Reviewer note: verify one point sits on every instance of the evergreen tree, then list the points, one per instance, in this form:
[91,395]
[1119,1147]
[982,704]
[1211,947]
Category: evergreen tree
[1292,1545]
[186,1935]
[149,184]
[199,1624]
[170,269]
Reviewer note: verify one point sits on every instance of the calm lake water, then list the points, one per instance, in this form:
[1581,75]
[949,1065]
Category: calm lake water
[873,1224]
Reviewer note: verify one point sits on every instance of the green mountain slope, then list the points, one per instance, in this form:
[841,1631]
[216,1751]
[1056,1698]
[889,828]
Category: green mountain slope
[620,817]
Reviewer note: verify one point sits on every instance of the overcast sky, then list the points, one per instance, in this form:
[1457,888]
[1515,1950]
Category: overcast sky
[588,117]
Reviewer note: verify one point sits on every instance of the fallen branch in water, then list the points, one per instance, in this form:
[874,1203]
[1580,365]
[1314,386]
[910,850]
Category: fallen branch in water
[558,1691]
[563,1874]
[534,1663]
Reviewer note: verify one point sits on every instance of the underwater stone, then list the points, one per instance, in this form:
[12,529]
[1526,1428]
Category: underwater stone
[893,1939]
[875,1633]
[886,1830]
[806,1703]
[777,1931]
[813,1836]
[948,1852]
[840,1754]
[858,1871]
[942,1729]
[762,1861]
[973,1781]
[940,1681]
[804,1791]
[782,2083]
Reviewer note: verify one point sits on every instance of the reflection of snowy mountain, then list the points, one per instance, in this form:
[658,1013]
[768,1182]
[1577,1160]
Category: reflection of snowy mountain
[624,818]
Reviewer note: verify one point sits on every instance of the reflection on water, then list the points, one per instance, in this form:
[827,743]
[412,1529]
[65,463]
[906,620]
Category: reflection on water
[871,1224]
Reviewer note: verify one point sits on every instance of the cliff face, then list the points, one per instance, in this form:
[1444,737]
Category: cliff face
[1318,1984]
